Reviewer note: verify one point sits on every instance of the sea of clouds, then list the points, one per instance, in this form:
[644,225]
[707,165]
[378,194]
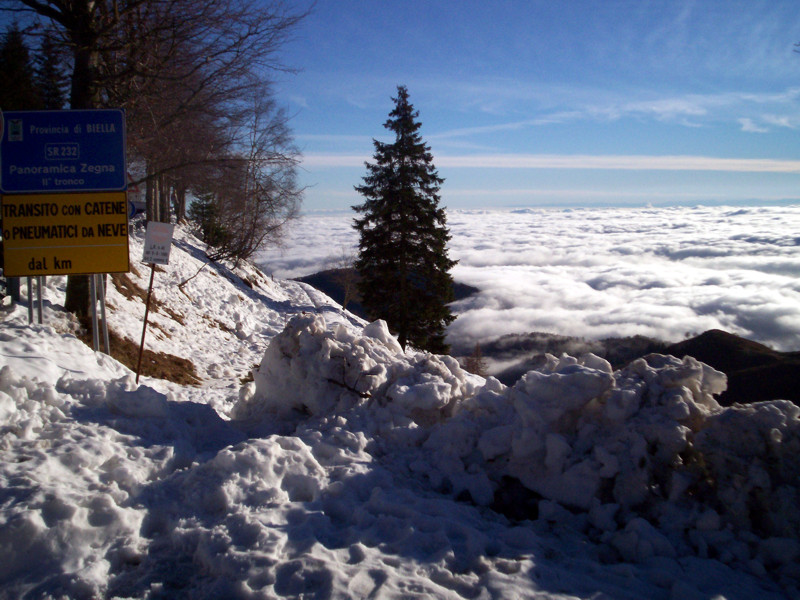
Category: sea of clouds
[600,272]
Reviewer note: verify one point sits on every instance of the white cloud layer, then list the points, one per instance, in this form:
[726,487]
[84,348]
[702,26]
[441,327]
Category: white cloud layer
[579,161]
[596,273]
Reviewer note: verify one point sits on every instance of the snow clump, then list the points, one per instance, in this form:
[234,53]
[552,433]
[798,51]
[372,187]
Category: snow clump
[644,458]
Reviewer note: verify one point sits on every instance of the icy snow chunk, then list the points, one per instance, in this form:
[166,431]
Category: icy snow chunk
[144,402]
[678,403]
[609,463]
[602,515]
[623,403]
[543,397]
[709,520]
[255,473]
[755,475]
[640,541]
[493,385]
[576,486]
[219,371]
[379,330]
[7,406]
[592,361]
[317,370]
[430,385]
[457,438]
[496,441]
[306,368]
[664,372]
[557,449]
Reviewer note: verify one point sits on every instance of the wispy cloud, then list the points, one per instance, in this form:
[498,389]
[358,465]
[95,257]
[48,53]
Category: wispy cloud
[300,101]
[788,121]
[555,161]
[334,138]
[564,104]
[788,96]
[636,163]
[334,160]
[572,194]
[750,126]
[546,119]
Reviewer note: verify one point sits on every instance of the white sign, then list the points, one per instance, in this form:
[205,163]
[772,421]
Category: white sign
[157,243]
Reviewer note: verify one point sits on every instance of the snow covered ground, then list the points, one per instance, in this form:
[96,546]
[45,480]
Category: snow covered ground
[349,469]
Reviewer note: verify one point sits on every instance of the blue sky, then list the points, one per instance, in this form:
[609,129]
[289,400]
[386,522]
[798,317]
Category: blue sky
[530,103]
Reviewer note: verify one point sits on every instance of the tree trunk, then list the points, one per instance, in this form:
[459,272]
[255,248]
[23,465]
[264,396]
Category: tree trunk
[151,196]
[163,199]
[180,204]
[83,94]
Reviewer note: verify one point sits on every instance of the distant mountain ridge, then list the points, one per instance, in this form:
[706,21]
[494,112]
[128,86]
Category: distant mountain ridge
[333,283]
[523,352]
[755,371]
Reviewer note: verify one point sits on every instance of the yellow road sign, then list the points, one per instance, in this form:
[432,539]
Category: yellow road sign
[60,234]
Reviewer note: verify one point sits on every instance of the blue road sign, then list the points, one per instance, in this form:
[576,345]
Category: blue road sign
[62,151]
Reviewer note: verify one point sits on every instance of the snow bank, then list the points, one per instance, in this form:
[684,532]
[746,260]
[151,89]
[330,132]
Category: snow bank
[53,528]
[337,369]
[645,460]
[350,469]
[110,489]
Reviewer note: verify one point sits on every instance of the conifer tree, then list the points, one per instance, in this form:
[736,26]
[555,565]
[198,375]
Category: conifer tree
[48,74]
[18,90]
[402,260]
[475,363]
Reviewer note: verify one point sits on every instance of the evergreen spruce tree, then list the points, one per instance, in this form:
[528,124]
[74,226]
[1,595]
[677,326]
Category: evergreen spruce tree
[18,90]
[48,75]
[402,260]
[204,211]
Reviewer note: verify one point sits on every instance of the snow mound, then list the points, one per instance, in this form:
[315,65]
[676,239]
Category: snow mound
[337,369]
[649,461]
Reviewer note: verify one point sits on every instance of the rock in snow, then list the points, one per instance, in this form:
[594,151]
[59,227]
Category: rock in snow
[350,469]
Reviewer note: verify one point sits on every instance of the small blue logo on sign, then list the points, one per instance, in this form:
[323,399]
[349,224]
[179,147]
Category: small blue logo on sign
[63,151]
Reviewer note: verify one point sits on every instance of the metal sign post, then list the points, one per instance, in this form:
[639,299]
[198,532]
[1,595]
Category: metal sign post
[144,326]
[30,299]
[97,290]
[40,309]
[157,244]
[93,294]
[102,287]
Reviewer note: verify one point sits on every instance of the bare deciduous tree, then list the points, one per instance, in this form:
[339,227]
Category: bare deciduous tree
[180,68]
[254,191]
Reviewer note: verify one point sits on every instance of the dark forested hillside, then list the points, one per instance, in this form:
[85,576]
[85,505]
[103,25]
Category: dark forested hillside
[334,282]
